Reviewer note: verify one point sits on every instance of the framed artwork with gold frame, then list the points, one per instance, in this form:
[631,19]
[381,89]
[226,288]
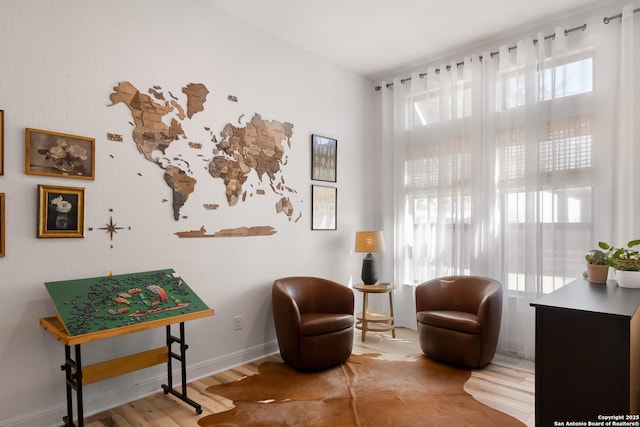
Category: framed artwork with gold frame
[1,142]
[59,154]
[2,222]
[60,211]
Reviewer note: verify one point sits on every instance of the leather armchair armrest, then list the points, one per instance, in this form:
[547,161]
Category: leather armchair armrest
[286,317]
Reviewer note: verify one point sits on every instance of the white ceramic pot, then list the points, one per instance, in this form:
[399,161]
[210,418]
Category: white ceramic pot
[628,279]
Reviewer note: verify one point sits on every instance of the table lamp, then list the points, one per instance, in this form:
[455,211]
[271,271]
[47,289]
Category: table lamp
[368,242]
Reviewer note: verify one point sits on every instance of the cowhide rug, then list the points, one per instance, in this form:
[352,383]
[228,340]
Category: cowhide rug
[363,392]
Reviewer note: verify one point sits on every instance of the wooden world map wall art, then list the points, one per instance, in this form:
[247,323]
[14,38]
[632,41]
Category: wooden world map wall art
[95,304]
[187,152]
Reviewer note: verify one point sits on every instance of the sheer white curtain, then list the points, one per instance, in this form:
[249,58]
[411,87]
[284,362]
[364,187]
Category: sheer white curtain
[627,149]
[514,164]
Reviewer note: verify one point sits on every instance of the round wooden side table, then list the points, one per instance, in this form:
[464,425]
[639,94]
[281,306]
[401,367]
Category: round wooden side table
[374,320]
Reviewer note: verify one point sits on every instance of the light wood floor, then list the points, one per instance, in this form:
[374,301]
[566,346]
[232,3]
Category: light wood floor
[506,384]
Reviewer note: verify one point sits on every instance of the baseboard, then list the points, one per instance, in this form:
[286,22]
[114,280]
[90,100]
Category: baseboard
[52,417]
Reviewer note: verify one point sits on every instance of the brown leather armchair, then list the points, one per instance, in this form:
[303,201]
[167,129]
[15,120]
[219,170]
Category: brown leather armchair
[459,319]
[314,322]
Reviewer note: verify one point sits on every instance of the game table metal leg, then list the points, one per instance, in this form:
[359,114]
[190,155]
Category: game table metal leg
[168,388]
[73,376]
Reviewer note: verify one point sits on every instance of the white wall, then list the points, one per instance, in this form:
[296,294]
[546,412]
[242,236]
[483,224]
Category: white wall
[59,61]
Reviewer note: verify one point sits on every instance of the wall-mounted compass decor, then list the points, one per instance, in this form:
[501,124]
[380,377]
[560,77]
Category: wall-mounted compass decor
[111,228]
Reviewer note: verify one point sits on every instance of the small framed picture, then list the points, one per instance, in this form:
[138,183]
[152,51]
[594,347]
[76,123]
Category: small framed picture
[1,142]
[324,155]
[2,226]
[323,207]
[60,211]
[58,154]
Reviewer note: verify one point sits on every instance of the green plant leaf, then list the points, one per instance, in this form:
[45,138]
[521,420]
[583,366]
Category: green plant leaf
[633,243]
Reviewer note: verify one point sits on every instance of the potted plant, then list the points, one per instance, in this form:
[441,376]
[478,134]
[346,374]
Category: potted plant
[598,263]
[626,261]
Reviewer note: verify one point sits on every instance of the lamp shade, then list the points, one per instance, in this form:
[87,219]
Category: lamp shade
[369,241]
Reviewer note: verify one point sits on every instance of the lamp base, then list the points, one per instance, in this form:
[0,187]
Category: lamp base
[369,270]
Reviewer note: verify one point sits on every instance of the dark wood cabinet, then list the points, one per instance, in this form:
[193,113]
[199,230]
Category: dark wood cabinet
[587,353]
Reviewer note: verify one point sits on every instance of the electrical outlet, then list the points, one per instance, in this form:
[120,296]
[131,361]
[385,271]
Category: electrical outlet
[237,323]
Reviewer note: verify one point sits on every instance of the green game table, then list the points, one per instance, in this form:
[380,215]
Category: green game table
[103,307]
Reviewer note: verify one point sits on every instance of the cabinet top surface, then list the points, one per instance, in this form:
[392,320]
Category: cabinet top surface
[609,298]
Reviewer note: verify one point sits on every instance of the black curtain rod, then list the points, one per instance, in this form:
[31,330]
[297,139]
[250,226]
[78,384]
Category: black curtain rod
[582,27]
[608,19]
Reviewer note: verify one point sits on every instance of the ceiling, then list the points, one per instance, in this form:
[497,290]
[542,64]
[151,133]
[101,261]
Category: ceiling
[376,38]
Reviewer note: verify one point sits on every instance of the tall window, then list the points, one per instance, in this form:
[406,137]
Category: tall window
[515,165]
[547,182]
